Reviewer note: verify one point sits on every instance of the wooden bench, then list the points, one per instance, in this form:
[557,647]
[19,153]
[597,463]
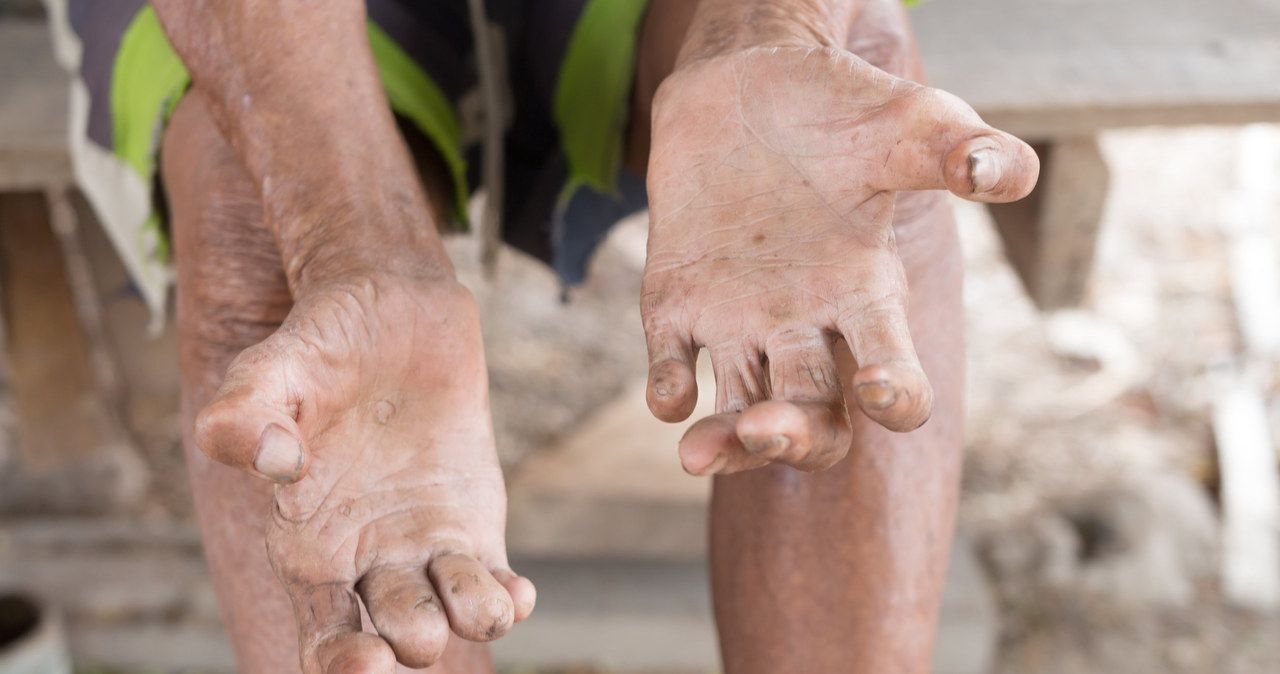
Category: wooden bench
[71,450]
[33,110]
[1056,72]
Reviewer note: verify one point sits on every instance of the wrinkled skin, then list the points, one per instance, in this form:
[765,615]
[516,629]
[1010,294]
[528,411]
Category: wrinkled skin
[771,244]
[403,501]
[772,239]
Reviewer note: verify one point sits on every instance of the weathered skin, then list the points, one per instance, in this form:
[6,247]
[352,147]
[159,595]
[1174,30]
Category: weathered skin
[773,162]
[771,238]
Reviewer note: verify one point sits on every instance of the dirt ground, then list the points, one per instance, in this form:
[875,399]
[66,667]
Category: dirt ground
[1100,420]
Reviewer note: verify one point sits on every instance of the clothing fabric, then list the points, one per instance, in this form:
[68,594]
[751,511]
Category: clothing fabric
[565,72]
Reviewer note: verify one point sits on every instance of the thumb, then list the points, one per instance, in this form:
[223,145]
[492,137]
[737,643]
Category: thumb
[945,145]
[251,423]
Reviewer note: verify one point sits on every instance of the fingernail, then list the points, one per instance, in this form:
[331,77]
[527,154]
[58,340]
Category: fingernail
[279,455]
[772,443]
[876,395]
[984,171]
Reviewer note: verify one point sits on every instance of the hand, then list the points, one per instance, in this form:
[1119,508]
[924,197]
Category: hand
[370,407]
[772,181]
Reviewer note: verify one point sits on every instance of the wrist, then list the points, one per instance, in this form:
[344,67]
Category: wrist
[721,27]
[367,233]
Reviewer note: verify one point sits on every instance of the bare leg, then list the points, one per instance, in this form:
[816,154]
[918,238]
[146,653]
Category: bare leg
[231,295]
[842,570]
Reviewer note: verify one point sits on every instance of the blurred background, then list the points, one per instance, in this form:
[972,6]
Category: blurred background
[1120,509]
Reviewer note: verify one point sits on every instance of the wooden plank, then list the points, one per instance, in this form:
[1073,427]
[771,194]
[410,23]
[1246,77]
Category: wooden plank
[31,170]
[1249,222]
[33,89]
[1053,68]
[71,454]
[1050,237]
[1250,500]
[60,419]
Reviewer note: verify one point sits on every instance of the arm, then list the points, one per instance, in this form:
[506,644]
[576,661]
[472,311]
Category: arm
[294,88]
[368,405]
[722,26]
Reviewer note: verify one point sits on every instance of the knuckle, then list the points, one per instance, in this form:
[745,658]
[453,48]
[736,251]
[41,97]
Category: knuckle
[211,431]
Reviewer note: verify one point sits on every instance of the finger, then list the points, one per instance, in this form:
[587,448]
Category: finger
[523,594]
[711,446]
[673,387]
[329,634]
[740,380]
[943,144]
[889,386]
[479,607]
[251,422]
[407,613]
[806,425]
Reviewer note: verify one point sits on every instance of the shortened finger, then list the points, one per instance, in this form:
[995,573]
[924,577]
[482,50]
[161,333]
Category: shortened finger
[479,607]
[711,446]
[330,639]
[250,424]
[890,385]
[992,168]
[804,435]
[740,377]
[523,593]
[672,391]
[406,613]
[945,145]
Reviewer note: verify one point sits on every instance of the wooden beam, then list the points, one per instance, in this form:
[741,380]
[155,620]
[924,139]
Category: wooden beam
[71,454]
[1051,235]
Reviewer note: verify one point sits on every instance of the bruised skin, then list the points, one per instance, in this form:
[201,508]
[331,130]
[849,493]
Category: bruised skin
[772,182]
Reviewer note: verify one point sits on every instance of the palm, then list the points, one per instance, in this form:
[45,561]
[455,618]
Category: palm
[772,182]
[403,502]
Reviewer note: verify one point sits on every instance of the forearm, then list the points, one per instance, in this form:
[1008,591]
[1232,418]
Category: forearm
[722,26]
[294,88]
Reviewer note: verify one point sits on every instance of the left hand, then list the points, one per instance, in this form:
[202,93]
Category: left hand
[772,180]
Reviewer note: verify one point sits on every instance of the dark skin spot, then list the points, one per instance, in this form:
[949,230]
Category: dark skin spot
[757,239]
